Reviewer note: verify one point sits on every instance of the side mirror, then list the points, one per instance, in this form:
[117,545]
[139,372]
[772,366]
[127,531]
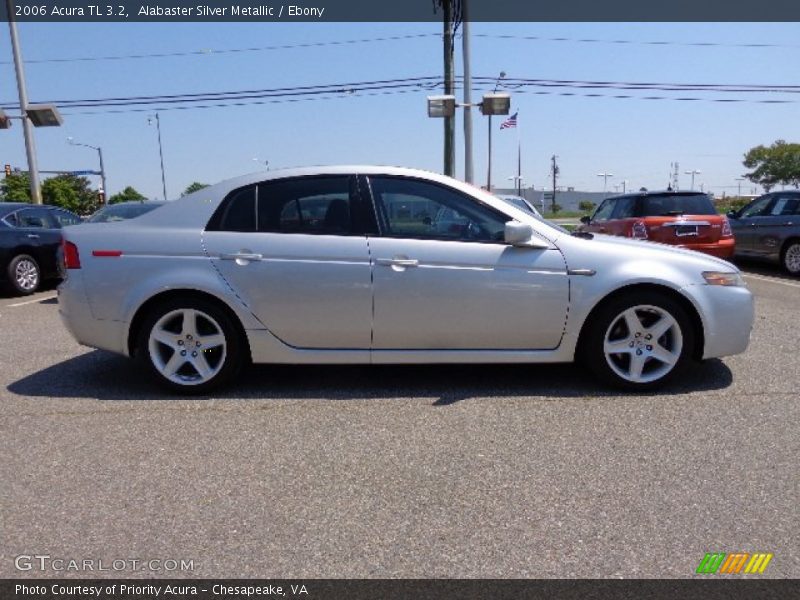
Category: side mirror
[586,219]
[732,214]
[521,235]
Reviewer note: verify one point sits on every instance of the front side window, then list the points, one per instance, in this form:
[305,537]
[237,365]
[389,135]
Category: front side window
[603,212]
[756,207]
[625,208]
[411,208]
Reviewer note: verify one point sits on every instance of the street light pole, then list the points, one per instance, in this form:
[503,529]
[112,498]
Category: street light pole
[100,155]
[693,172]
[465,51]
[30,144]
[605,177]
[161,155]
[489,169]
[740,180]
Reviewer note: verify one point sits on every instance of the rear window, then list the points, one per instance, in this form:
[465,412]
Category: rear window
[676,204]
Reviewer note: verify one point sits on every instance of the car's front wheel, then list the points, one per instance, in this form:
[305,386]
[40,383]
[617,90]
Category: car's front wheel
[191,346]
[790,257]
[24,274]
[639,341]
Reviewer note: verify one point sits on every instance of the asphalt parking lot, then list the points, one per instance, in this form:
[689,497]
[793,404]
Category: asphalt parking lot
[488,471]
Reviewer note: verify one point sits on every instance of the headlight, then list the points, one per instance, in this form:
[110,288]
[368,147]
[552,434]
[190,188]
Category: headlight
[723,278]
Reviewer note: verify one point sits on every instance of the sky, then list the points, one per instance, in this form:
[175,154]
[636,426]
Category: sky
[635,139]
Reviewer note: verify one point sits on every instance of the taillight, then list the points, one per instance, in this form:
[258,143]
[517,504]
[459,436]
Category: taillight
[71,258]
[726,228]
[639,231]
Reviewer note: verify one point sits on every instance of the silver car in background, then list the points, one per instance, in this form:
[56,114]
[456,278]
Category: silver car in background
[346,265]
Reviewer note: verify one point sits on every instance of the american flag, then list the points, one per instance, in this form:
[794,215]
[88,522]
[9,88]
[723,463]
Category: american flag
[510,121]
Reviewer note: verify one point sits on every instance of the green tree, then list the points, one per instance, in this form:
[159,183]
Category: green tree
[129,194]
[16,188]
[778,164]
[586,205]
[70,192]
[194,187]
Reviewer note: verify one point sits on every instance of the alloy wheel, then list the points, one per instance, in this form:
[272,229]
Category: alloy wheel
[643,343]
[791,258]
[187,346]
[26,274]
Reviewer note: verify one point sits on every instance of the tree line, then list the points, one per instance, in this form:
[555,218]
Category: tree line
[71,192]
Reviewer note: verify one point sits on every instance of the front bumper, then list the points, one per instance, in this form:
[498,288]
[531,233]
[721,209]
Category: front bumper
[728,314]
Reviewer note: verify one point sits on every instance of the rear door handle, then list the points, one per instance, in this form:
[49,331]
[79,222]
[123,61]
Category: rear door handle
[33,236]
[241,256]
[398,262]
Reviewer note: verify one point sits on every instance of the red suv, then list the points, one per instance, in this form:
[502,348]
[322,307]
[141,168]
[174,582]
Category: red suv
[685,219]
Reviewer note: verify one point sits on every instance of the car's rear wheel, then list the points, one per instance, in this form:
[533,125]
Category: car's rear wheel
[639,341]
[24,274]
[790,258]
[191,346]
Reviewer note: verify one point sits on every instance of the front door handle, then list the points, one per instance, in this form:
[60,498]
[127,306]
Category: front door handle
[398,262]
[33,236]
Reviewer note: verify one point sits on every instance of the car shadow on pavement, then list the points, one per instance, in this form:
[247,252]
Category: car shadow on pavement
[105,376]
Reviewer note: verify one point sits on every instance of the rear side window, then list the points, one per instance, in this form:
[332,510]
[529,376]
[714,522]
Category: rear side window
[239,212]
[317,205]
[676,204]
[785,205]
[64,218]
[33,218]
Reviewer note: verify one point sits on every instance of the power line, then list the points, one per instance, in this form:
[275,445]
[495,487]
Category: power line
[211,51]
[416,84]
[537,38]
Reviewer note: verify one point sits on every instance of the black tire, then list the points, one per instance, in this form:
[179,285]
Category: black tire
[24,274]
[790,257]
[659,360]
[170,319]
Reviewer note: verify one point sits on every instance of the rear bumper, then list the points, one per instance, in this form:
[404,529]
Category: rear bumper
[73,308]
[721,249]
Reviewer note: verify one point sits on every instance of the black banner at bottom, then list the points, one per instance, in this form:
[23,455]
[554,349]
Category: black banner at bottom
[391,589]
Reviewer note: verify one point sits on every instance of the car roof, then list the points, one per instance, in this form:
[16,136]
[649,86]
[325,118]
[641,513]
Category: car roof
[658,193]
[132,202]
[9,207]
[195,209]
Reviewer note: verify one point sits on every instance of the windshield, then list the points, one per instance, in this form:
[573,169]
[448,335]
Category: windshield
[677,204]
[121,212]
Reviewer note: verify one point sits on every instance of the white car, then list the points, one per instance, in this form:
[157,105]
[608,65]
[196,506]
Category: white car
[345,265]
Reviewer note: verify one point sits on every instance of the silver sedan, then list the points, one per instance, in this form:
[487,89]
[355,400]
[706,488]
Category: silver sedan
[347,265]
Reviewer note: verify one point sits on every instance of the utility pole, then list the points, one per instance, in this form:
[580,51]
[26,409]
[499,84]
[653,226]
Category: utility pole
[449,85]
[489,166]
[160,154]
[739,180]
[27,130]
[555,176]
[465,51]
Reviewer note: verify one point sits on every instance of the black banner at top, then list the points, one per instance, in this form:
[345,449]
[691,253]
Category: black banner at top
[398,10]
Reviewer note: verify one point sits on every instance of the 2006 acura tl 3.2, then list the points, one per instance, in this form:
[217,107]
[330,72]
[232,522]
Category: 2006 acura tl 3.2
[347,265]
